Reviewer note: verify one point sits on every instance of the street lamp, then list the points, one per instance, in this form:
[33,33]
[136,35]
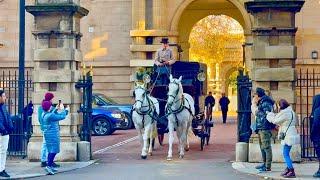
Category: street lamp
[21,55]
[314,54]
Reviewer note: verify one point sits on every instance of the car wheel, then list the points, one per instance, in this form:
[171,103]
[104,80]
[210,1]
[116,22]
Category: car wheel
[101,127]
[130,123]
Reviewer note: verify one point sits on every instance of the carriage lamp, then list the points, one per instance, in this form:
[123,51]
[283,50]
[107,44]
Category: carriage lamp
[201,76]
[146,78]
[314,54]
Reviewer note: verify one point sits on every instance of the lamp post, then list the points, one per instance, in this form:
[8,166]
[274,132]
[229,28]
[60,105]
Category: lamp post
[21,55]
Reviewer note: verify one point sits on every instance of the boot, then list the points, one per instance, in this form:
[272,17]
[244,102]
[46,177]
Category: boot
[285,172]
[290,174]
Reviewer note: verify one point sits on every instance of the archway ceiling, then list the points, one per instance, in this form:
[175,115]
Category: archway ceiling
[210,4]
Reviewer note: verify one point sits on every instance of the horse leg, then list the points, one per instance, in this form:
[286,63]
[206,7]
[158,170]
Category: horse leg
[178,131]
[187,146]
[151,139]
[183,139]
[145,142]
[171,139]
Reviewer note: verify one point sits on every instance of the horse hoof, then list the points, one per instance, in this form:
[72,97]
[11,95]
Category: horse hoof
[150,153]
[143,157]
[181,156]
[186,149]
[169,158]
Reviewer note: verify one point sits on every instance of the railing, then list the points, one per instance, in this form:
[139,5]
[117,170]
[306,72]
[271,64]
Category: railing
[307,86]
[22,122]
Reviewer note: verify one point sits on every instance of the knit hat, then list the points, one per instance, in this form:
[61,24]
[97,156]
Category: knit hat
[260,92]
[46,105]
[48,96]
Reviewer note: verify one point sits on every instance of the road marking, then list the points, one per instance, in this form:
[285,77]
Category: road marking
[116,145]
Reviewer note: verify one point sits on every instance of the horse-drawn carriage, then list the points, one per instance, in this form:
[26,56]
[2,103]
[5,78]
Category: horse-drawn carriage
[176,105]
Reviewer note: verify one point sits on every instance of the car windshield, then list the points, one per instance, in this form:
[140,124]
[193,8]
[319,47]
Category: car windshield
[106,99]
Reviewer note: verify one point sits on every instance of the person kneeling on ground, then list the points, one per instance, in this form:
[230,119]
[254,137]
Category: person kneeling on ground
[286,120]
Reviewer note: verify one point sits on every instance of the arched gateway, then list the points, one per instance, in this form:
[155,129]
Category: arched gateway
[269,28]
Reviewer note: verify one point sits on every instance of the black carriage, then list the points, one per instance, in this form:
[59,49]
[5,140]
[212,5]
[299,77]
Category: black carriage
[194,83]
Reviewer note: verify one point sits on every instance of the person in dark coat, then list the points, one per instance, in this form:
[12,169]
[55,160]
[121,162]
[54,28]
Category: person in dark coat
[51,132]
[315,129]
[224,103]
[209,100]
[261,105]
[6,127]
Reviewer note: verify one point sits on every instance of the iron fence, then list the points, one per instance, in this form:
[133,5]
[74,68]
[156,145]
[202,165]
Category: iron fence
[307,86]
[22,122]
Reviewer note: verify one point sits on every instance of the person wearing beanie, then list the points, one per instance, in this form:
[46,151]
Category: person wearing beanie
[51,132]
[6,127]
[44,153]
[261,104]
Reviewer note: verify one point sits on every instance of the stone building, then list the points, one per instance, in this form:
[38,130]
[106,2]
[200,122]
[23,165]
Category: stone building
[121,35]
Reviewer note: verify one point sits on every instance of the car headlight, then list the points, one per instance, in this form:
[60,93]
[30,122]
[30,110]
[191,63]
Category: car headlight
[116,115]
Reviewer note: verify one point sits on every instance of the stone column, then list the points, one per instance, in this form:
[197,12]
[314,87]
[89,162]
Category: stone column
[57,58]
[274,54]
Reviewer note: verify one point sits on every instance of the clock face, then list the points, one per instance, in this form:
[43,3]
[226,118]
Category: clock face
[201,77]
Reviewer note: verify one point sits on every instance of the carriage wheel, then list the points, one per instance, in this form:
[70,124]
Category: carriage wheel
[208,130]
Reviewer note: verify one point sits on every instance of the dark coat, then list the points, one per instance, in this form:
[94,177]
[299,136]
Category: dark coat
[6,125]
[209,100]
[224,102]
[265,104]
[315,119]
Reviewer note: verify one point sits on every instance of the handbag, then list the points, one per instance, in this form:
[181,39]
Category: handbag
[282,135]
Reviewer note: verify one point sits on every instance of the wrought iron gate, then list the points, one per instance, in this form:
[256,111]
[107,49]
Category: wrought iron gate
[22,122]
[244,107]
[308,85]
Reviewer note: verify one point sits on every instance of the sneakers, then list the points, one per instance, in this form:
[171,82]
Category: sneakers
[55,165]
[285,172]
[4,174]
[43,164]
[264,169]
[290,174]
[317,174]
[260,166]
[49,170]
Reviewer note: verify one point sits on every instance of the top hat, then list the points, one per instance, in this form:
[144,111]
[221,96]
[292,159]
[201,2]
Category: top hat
[165,41]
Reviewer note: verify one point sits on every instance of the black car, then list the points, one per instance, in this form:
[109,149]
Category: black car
[103,101]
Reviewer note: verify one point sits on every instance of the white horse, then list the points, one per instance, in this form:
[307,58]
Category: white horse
[180,110]
[145,110]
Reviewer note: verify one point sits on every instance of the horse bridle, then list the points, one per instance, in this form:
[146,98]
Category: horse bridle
[181,107]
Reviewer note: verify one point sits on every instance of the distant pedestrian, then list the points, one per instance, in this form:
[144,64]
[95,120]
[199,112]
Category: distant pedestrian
[50,120]
[315,130]
[288,134]
[224,103]
[6,127]
[261,104]
[209,100]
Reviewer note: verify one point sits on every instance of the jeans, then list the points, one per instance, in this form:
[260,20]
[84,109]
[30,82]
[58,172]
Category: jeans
[265,146]
[50,159]
[286,156]
[44,151]
[4,141]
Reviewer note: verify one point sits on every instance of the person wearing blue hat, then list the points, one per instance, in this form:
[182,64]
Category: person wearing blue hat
[163,61]
[261,104]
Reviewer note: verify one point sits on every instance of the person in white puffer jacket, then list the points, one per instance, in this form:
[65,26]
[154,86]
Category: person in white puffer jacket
[286,120]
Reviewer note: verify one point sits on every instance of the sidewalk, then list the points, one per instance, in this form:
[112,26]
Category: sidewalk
[21,169]
[303,170]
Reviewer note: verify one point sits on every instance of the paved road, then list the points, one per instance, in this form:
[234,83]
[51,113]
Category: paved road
[123,160]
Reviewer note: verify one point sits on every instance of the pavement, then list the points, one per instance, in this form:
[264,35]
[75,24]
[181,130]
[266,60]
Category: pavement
[22,169]
[304,170]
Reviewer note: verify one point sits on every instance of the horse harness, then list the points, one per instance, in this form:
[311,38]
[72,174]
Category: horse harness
[151,111]
[182,106]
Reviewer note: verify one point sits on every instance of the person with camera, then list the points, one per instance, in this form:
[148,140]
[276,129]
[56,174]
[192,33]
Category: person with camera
[51,131]
[261,104]
[288,134]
